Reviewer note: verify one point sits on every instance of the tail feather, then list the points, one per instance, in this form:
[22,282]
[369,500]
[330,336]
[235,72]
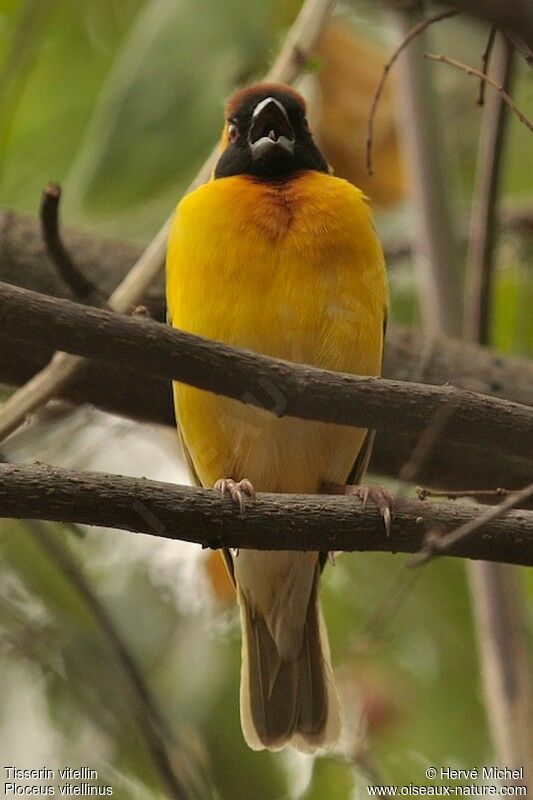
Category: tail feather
[287,701]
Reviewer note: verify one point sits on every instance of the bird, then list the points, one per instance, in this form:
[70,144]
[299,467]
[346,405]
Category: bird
[277,255]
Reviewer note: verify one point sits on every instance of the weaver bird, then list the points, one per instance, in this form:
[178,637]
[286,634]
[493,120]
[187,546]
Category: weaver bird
[276,255]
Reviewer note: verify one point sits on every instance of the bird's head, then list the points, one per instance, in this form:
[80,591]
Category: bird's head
[267,135]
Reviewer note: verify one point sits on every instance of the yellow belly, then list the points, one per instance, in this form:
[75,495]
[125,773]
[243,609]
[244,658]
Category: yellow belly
[294,271]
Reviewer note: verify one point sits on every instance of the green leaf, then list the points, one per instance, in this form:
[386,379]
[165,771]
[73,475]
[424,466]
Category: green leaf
[161,110]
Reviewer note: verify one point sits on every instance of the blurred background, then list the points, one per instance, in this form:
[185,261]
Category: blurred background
[120,101]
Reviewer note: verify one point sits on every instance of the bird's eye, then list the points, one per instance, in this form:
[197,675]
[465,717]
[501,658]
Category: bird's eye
[233,132]
[306,126]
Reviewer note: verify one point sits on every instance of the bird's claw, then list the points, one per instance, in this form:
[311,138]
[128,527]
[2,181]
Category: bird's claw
[237,491]
[382,498]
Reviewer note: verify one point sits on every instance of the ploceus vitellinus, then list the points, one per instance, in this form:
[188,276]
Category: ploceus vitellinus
[276,255]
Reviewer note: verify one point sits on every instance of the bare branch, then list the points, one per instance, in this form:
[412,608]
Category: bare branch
[483,221]
[283,388]
[436,234]
[474,494]
[497,593]
[450,466]
[272,522]
[83,289]
[145,711]
[435,543]
[483,77]
[301,41]
[409,356]
[415,31]
[485,58]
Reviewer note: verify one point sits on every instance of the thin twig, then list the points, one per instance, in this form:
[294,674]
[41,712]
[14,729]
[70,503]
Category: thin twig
[485,58]
[82,288]
[146,714]
[478,74]
[426,442]
[439,544]
[475,494]
[379,619]
[413,33]
[483,221]
[63,369]
[436,243]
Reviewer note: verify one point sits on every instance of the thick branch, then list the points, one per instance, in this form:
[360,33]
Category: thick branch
[408,354]
[450,466]
[273,522]
[280,387]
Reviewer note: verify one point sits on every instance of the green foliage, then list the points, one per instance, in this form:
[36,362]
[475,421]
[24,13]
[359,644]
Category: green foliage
[170,130]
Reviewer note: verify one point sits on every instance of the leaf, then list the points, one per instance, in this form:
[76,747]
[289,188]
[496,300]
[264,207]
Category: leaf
[161,110]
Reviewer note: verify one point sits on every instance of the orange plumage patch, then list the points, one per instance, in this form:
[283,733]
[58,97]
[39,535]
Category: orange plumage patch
[243,95]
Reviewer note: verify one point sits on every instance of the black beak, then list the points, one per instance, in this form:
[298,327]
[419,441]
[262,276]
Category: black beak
[271,131]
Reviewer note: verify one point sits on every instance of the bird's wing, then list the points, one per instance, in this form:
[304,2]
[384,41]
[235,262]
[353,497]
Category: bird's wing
[195,481]
[361,462]
[356,474]
[363,456]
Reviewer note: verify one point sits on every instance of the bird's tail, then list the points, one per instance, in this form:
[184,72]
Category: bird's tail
[288,701]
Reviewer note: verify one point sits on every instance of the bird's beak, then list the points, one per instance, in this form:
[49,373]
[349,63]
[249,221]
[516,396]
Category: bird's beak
[271,131]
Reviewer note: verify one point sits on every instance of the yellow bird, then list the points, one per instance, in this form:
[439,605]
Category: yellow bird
[276,255]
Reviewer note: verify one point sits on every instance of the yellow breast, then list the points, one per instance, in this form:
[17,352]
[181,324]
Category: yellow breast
[293,270]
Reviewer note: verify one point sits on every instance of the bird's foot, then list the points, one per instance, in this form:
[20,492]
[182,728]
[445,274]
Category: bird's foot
[382,498]
[238,491]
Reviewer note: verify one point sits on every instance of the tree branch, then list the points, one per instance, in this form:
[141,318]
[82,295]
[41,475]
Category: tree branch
[283,388]
[483,220]
[497,594]
[144,709]
[512,15]
[436,242]
[437,544]
[496,85]
[408,356]
[415,31]
[83,289]
[272,522]
[485,58]
[450,466]
[25,261]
